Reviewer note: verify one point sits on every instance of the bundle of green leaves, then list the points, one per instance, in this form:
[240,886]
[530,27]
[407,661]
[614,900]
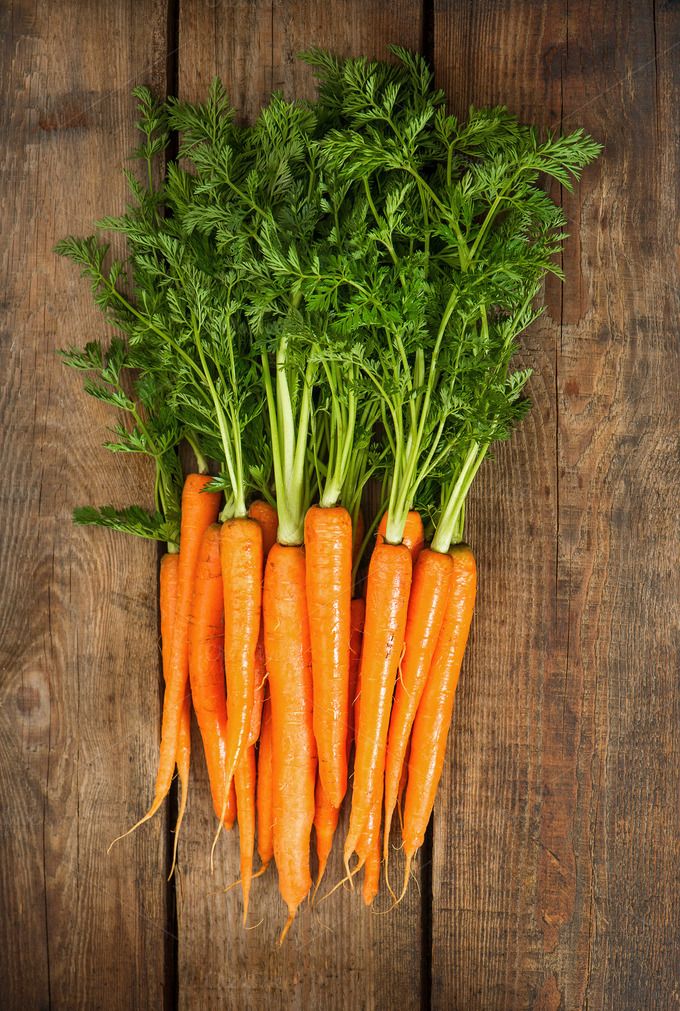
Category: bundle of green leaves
[363,265]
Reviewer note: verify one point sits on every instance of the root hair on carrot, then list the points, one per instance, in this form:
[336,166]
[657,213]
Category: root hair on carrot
[234,884]
[343,881]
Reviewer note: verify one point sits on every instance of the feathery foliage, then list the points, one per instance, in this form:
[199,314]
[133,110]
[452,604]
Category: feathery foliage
[335,291]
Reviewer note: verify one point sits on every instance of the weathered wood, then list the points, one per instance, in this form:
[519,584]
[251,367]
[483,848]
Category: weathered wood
[618,396]
[484,939]
[79,686]
[555,849]
[337,955]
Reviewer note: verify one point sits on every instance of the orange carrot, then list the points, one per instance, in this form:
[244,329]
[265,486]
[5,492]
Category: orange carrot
[389,581]
[368,845]
[414,535]
[325,823]
[199,510]
[265,840]
[326,816]
[372,872]
[426,608]
[183,764]
[245,773]
[168,605]
[244,780]
[433,719]
[241,558]
[206,668]
[328,551]
[288,651]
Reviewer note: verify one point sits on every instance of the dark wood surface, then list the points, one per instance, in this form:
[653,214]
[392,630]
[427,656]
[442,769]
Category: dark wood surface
[78,627]
[551,880]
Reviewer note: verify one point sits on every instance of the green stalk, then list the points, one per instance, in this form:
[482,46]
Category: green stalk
[450,522]
[341,436]
[289,446]
[201,462]
[238,507]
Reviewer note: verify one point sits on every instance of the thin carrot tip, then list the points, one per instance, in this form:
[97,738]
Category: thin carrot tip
[287,926]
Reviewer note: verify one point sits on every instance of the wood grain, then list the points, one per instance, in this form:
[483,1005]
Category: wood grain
[485,939]
[338,955]
[618,396]
[553,832]
[79,687]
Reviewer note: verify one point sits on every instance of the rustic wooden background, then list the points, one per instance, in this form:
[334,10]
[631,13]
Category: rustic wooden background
[551,878]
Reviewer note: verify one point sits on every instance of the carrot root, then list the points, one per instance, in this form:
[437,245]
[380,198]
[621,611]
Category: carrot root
[328,553]
[433,718]
[389,581]
[426,608]
[288,651]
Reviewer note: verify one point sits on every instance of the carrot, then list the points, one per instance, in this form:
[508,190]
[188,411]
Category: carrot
[183,765]
[288,651]
[199,510]
[241,559]
[265,842]
[326,818]
[426,608]
[389,581]
[433,719]
[206,668]
[245,773]
[266,515]
[372,872]
[414,535]
[168,604]
[368,845]
[328,552]
[244,780]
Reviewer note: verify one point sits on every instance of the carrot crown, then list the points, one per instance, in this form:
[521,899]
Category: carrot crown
[367,260]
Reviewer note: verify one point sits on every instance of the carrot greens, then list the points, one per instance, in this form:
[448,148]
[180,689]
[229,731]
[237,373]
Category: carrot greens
[149,429]
[459,237]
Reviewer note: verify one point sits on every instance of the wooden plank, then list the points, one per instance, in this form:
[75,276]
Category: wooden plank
[559,811]
[253,45]
[337,955]
[80,680]
[485,941]
[619,391]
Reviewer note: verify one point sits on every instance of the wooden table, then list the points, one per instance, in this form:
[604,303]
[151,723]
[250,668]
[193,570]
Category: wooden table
[550,879]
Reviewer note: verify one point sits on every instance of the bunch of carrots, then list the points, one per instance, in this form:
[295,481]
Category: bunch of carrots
[325,301]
